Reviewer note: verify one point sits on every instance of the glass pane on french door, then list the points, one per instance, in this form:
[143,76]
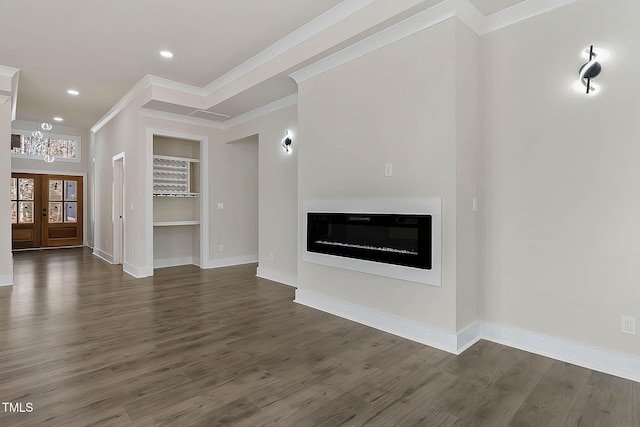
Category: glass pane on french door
[55,190]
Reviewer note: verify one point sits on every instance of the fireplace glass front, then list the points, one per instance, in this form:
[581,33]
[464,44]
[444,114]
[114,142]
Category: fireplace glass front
[400,239]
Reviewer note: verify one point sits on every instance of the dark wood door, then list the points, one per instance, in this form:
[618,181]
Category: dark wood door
[61,210]
[46,210]
[26,203]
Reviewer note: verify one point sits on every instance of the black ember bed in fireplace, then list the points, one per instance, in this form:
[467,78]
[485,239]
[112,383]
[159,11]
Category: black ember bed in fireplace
[400,239]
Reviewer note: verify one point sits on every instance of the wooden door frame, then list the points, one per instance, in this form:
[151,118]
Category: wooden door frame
[118,189]
[84,193]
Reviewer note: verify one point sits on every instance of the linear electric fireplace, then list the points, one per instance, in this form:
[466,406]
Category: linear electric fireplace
[393,238]
[398,239]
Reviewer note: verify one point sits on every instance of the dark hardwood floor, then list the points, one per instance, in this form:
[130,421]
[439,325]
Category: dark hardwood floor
[86,345]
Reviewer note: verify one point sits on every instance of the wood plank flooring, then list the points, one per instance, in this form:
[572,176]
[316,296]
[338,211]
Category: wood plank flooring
[88,345]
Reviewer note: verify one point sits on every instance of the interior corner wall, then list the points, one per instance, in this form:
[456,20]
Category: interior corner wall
[394,105]
[6,257]
[277,191]
[468,135]
[559,172]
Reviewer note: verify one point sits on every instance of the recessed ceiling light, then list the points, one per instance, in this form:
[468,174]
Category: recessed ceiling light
[73,92]
[58,119]
[166,54]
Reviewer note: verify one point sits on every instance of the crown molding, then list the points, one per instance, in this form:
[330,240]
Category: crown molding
[264,110]
[428,18]
[287,101]
[174,85]
[14,95]
[520,12]
[307,31]
[470,15]
[464,10]
[154,114]
[134,92]
[8,71]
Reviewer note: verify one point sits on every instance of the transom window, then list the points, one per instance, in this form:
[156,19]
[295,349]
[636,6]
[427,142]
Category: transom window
[65,148]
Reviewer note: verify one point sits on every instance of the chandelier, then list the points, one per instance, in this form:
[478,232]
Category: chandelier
[42,144]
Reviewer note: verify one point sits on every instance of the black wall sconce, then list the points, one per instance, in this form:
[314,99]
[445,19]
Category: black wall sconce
[590,70]
[286,142]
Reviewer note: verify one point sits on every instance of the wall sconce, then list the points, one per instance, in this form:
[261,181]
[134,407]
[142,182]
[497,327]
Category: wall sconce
[590,70]
[286,142]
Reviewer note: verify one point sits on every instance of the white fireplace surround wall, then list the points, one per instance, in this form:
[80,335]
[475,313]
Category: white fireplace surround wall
[431,206]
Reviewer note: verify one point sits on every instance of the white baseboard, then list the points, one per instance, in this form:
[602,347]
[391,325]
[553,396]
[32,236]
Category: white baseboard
[103,255]
[172,262]
[404,328]
[469,336]
[620,365]
[277,276]
[136,272]
[231,261]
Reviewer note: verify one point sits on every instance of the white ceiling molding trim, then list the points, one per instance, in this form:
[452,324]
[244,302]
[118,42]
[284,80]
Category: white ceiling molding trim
[471,16]
[154,114]
[14,95]
[173,85]
[521,11]
[251,115]
[261,111]
[135,91]
[310,29]
[8,71]
[423,20]
[9,89]
[462,9]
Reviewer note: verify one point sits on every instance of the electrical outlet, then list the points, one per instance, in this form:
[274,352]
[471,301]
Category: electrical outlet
[221,248]
[132,252]
[628,325]
[388,169]
[271,256]
[220,205]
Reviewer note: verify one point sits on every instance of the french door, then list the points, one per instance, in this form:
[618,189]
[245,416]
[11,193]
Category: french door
[46,210]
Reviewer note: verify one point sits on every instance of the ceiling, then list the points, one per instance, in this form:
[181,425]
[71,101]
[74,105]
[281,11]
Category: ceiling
[103,48]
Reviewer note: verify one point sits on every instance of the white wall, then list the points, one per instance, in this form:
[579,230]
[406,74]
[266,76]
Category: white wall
[468,137]
[6,257]
[559,172]
[394,105]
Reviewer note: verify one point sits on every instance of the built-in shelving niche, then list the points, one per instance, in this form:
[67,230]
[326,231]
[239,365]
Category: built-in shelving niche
[176,201]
